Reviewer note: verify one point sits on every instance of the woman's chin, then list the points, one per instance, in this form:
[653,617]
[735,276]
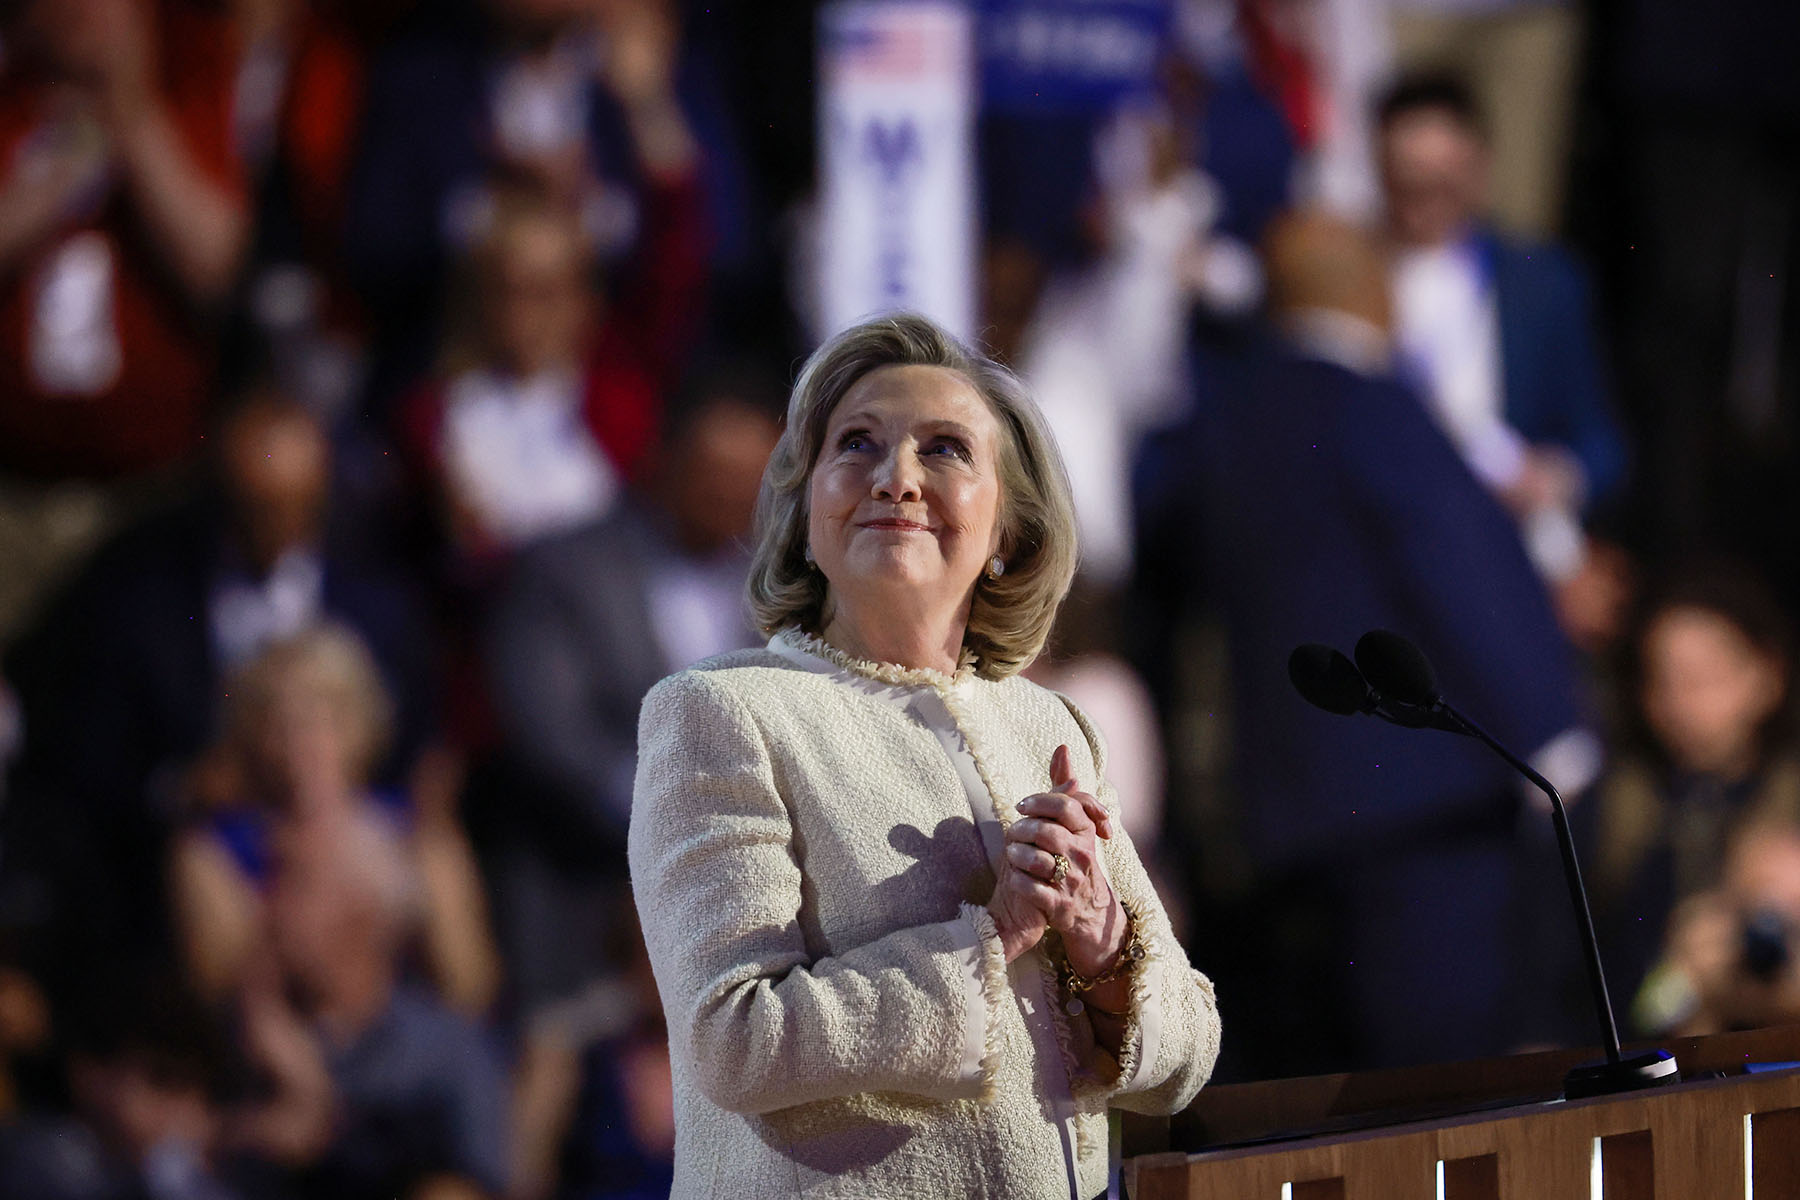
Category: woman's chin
[896,567]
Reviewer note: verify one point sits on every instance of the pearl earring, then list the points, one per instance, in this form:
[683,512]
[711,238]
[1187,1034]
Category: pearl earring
[808,555]
[996,567]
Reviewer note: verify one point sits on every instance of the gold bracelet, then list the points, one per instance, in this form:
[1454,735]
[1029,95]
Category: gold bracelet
[1133,952]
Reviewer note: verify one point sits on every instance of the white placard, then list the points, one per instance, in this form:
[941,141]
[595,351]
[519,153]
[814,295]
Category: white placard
[896,113]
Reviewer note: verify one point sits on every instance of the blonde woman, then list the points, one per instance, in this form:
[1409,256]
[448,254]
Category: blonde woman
[904,945]
[306,723]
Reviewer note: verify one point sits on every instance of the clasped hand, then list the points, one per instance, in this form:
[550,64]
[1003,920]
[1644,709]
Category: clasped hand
[1029,898]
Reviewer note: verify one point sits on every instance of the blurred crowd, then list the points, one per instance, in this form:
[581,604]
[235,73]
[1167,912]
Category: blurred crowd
[384,390]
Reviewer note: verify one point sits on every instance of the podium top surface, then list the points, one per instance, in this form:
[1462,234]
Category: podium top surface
[1250,1114]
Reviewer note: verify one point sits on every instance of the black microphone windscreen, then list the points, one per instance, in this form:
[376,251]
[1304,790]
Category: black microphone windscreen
[1396,668]
[1327,679]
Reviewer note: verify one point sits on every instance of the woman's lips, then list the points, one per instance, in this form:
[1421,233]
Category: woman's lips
[896,523]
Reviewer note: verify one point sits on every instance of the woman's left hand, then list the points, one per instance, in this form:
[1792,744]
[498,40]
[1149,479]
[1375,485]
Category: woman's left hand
[1081,906]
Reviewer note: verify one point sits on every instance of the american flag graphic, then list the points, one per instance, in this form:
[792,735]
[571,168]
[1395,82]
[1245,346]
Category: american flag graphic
[893,41]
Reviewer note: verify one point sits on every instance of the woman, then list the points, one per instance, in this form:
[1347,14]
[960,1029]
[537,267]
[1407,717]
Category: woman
[306,722]
[1686,815]
[902,950]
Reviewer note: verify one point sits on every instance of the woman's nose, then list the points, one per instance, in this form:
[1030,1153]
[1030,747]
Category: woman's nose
[897,476]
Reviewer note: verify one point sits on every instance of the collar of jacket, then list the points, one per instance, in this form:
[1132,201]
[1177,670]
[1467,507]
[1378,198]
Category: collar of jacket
[894,674]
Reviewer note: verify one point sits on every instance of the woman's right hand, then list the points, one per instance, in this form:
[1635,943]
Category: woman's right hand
[1017,917]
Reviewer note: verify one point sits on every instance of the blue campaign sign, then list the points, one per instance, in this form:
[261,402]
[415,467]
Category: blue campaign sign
[1069,55]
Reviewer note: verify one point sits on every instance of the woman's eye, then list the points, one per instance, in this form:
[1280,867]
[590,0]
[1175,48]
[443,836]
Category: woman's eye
[950,447]
[853,441]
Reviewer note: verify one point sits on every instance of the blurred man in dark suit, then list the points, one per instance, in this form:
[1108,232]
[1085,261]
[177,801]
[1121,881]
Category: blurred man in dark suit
[1310,499]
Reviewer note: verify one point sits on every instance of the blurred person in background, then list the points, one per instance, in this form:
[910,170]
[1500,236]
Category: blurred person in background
[370,1088]
[1104,348]
[306,725]
[622,1143]
[577,99]
[1310,498]
[1715,753]
[123,681]
[1731,960]
[1240,138]
[1520,58]
[145,1068]
[587,623]
[550,396]
[1157,185]
[122,223]
[1499,334]
[304,71]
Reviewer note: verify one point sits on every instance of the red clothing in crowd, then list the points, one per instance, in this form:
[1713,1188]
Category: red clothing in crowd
[630,360]
[102,370]
[318,124]
[634,355]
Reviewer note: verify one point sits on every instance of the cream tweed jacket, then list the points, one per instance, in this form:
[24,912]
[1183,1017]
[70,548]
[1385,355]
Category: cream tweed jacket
[813,840]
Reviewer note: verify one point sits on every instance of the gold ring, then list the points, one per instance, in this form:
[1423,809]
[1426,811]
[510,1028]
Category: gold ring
[1062,869]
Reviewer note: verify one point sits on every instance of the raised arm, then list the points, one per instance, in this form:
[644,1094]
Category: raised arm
[766,1023]
[187,196]
[659,307]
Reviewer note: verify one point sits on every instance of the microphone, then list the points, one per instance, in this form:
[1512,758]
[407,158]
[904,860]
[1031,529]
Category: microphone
[1329,680]
[1397,667]
[1405,691]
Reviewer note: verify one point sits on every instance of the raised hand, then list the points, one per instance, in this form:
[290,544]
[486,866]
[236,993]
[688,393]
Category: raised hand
[643,50]
[642,45]
[1055,845]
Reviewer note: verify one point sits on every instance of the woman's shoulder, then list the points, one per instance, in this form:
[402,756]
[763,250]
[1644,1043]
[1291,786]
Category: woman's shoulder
[1044,714]
[1017,691]
[738,674]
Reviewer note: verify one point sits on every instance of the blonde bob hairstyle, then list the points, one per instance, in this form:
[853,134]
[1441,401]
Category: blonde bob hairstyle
[327,663]
[1011,615]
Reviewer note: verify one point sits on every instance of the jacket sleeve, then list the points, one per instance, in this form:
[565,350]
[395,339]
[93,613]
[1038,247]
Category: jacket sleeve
[761,1023]
[1575,408]
[1457,570]
[1171,1038]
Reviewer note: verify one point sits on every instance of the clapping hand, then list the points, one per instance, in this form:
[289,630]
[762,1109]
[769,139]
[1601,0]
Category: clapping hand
[1055,845]
[1051,876]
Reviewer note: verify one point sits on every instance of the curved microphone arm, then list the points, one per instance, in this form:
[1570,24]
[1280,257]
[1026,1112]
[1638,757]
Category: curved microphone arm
[1400,669]
[1565,841]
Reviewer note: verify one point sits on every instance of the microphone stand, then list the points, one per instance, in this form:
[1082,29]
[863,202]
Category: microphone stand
[1620,1072]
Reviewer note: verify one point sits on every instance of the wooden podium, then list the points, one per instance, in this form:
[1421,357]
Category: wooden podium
[1490,1130]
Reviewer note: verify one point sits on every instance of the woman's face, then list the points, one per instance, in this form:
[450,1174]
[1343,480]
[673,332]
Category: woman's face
[905,495]
[305,748]
[538,298]
[1707,690]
